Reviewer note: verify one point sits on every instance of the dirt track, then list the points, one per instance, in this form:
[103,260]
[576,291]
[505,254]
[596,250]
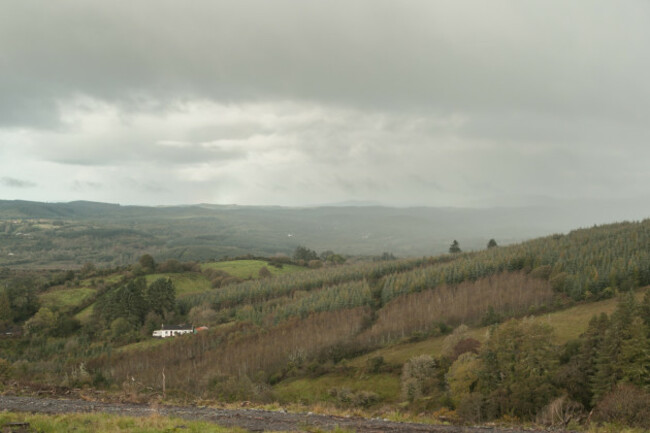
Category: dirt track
[250,419]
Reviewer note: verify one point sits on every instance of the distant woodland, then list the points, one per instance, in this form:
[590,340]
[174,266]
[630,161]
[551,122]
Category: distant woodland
[68,235]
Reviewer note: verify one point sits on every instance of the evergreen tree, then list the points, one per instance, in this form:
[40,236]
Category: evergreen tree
[492,244]
[578,374]
[148,263]
[609,367]
[161,296]
[454,247]
[517,363]
[645,310]
[6,315]
[21,293]
[132,301]
[635,356]
[303,253]
[127,302]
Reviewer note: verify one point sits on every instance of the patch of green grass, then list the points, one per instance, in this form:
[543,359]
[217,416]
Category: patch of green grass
[400,353]
[108,279]
[245,269]
[569,324]
[84,315]
[66,298]
[144,344]
[187,283]
[309,391]
[104,423]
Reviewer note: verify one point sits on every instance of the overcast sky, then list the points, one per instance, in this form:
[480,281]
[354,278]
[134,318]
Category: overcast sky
[441,103]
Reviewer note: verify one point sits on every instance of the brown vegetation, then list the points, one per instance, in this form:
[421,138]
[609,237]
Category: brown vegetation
[195,363]
[507,294]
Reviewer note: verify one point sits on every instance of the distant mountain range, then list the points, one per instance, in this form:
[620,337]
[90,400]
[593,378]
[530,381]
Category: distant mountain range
[70,234]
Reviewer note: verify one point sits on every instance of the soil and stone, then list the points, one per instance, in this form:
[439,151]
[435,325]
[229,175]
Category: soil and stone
[254,420]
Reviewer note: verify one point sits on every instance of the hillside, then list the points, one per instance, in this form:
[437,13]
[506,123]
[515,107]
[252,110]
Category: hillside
[568,325]
[350,334]
[67,235]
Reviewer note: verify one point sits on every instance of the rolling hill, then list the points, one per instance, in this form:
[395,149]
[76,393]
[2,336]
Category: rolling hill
[67,235]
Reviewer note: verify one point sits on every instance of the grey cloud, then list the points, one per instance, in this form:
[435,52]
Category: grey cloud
[98,153]
[86,186]
[147,186]
[441,102]
[234,131]
[16,183]
[450,56]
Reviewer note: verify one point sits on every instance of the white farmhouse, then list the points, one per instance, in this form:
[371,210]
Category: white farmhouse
[173,330]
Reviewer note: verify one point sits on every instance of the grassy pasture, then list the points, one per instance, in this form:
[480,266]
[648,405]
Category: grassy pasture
[66,298]
[144,344]
[108,279]
[186,283]
[311,391]
[84,315]
[245,269]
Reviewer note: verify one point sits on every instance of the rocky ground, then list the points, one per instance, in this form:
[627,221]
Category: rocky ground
[254,420]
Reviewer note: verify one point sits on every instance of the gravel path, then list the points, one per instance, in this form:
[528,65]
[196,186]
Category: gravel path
[250,419]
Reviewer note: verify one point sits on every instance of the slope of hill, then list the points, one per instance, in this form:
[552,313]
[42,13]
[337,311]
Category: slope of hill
[277,331]
[568,325]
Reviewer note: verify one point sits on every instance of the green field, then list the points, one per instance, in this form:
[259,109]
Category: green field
[144,344]
[186,283]
[84,315]
[247,269]
[109,279]
[66,298]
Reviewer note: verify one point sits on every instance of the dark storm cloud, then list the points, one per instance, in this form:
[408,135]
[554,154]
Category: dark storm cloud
[16,183]
[546,57]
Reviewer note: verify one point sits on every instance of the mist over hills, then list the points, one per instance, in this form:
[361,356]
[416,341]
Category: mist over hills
[70,234]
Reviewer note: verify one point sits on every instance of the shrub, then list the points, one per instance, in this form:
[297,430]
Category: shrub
[541,272]
[470,408]
[558,282]
[374,364]
[626,404]
[231,388]
[419,377]
[491,317]
[315,264]
[462,377]
[467,345]
[264,272]
[346,397]
[5,370]
[560,412]
[453,339]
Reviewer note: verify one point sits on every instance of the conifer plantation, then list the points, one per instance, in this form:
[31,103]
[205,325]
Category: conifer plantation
[500,358]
